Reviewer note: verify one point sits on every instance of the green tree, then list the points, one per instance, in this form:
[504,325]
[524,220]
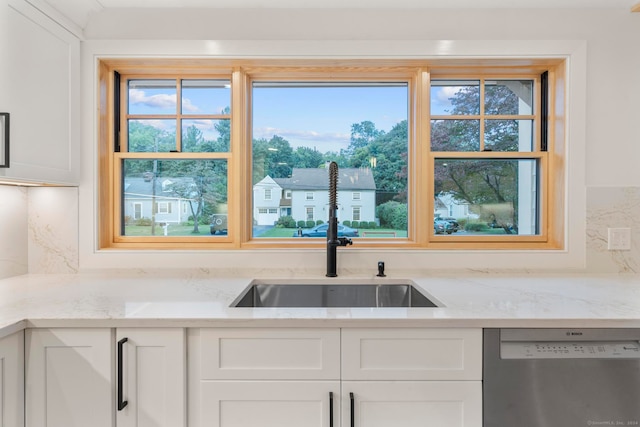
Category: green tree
[305,157]
[273,158]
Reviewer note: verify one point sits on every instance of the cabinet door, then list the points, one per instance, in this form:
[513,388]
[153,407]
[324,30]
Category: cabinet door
[269,354]
[12,380]
[411,354]
[68,378]
[412,403]
[153,375]
[43,97]
[269,403]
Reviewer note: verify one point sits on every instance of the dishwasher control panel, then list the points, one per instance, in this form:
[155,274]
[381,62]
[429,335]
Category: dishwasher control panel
[569,350]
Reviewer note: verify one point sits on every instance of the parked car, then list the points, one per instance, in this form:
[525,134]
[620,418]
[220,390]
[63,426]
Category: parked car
[441,226]
[454,224]
[218,224]
[321,231]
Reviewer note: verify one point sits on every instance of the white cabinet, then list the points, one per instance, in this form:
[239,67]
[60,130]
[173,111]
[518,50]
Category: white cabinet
[40,88]
[412,403]
[153,377]
[411,354]
[264,377]
[412,377]
[270,403]
[73,374]
[12,380]
[68,378]
[379,377]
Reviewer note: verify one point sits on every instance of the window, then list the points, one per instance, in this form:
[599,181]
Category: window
[173,142]
[301,125]
[164,208]
[355,213]
[487,156]
[416,142]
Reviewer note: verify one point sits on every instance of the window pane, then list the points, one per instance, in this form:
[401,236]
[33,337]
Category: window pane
[487,197]
[300,126]
[455,135]
[508,135]
[152,97]
[455,97]
[152,135]
[206,96]
[508,97]
[206,136]
[174,197]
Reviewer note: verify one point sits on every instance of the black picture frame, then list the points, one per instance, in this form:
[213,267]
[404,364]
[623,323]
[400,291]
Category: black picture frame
[4,140]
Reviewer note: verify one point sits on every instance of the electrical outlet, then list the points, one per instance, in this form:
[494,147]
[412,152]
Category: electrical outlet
[619,239]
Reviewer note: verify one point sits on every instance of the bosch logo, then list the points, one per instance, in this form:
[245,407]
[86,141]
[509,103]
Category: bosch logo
[574,334]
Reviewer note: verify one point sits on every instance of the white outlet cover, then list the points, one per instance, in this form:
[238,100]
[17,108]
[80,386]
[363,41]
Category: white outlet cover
[619,239]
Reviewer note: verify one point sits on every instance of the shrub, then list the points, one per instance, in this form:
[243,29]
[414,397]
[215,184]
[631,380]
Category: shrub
[355,224]
[286,222]
[476,226]
[372,225]
[393,214]
[346,223]
[143,221]
[319,222]
[302,224]
[310,224]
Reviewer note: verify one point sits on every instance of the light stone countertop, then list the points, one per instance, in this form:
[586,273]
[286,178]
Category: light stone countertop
[198,299]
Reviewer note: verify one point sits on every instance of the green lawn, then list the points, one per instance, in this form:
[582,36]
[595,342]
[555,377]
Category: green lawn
[174,230]
[288,232]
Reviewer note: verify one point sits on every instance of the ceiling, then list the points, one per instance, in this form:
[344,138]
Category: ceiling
[79,11]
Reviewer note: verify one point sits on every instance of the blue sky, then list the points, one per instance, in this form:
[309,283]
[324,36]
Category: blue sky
[322,117]
[304,116]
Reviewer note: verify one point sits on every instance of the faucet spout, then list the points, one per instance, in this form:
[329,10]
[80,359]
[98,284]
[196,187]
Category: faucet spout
[333,241]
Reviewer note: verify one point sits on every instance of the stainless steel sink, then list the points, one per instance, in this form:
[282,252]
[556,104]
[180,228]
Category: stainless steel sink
[333,294]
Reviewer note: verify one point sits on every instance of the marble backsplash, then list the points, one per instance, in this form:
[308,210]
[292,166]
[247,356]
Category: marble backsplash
[39,230]
[13,231]
[612,207]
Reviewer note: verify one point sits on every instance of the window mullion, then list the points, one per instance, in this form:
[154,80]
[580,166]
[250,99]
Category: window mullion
[482,115]
[179,114]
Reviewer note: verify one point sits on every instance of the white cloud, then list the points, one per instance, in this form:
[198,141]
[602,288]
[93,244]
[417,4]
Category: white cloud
[324,141]
[164,101]
[188,106]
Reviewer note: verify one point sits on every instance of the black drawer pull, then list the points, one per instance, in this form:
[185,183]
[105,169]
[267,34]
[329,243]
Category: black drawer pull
[330,409]
[353,409]
[121,403]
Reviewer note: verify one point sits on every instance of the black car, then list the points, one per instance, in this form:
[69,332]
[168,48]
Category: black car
[454,224]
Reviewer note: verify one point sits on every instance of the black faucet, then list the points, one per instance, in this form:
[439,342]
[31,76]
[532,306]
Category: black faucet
[333,241]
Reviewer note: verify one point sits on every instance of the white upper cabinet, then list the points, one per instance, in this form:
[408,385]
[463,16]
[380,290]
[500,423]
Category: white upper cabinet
[40,89]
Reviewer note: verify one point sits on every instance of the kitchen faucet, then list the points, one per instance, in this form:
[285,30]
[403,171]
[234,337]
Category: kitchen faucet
[333,241]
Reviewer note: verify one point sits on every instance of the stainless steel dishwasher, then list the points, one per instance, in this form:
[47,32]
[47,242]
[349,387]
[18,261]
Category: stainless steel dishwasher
[561,377]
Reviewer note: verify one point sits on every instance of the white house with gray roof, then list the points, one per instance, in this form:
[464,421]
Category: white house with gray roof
[305,196]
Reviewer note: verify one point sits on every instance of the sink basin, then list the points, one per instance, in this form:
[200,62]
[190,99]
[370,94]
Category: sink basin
[343,294]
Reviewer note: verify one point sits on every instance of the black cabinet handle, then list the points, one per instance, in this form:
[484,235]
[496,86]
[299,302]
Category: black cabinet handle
[121,403]
[330,409]
[353,409]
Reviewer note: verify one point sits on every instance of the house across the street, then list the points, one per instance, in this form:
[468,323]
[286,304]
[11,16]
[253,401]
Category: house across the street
[147,197]
[304,196]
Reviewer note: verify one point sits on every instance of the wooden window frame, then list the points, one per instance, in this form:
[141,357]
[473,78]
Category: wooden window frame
[418,73]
